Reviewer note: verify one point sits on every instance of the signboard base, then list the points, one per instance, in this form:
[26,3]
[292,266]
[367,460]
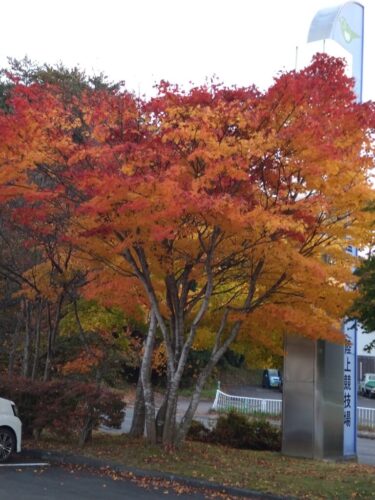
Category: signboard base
[313,403]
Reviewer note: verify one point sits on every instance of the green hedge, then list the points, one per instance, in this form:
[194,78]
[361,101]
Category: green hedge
[239,431]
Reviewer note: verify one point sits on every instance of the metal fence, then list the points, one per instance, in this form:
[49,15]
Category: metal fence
[226,402]
[366,417]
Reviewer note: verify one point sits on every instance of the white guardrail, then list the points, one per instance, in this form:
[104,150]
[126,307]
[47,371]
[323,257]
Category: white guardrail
[225,402]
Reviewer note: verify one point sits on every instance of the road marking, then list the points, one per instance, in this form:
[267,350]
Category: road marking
[38,464]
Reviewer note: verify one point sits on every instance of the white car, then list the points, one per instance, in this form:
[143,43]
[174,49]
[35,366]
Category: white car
[10,429]
[367,377]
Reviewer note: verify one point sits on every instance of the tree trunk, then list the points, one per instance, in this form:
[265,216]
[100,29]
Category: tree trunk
[170,424]
[52,334]
[15,339]
[138,421]
[216,355]
[86,432]
[146,381]
[37,340]
[187,419]
[169,429]
[47,367]
[160,418]
[27,341]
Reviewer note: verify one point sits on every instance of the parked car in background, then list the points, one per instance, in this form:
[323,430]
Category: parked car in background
[370,389]
[367,377]
[10,430]
[271,378]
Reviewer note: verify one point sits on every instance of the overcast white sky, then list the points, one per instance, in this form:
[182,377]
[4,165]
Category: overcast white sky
[143,41]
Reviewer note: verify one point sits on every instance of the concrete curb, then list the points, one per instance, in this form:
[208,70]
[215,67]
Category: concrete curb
[366,435]
[67,458]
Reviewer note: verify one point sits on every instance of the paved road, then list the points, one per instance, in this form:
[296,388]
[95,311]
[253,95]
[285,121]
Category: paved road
[258,392]
[252,391]
[55,483]
[366,451]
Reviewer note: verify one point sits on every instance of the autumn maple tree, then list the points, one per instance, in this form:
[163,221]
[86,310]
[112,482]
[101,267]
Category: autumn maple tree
[222,214]
[35,212]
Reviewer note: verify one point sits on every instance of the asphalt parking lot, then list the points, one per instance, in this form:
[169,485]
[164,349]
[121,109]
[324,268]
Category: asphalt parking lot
[20,482]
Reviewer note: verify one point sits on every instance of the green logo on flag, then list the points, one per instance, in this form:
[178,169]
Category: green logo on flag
[348,34]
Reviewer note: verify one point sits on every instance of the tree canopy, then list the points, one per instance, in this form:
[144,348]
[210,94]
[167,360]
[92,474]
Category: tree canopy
[218,214]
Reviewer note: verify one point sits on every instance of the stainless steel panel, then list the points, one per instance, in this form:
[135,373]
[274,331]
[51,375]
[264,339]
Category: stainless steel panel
[299,359]
[312,399]
[319,402]
[331,383]
[298,397]
[298,419]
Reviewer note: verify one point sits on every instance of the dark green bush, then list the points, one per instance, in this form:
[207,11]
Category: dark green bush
[198,432]
[238,431]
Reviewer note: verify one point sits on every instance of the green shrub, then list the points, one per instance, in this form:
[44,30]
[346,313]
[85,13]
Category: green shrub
[237,431]
[198,432]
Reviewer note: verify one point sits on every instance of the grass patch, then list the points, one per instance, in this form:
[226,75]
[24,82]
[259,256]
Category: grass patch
[264,471]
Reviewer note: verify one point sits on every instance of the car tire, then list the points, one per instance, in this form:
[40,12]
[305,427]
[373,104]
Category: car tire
[7,443]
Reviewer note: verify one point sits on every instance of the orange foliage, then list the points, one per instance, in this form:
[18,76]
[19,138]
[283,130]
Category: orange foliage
[243,191]
[85,362]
